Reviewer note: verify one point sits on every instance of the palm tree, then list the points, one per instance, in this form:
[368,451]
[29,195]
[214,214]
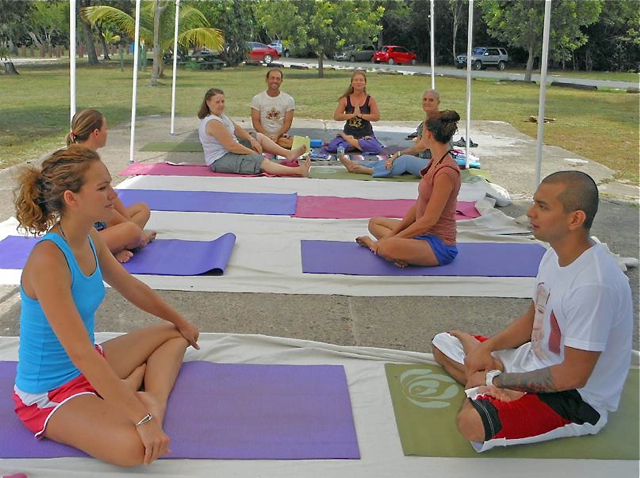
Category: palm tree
[194,28]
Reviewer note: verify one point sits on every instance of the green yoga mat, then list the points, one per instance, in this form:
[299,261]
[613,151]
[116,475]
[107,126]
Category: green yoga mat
[426,401]
[168,146]
[329,172]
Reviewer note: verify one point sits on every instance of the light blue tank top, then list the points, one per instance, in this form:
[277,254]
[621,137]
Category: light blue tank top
[43,363]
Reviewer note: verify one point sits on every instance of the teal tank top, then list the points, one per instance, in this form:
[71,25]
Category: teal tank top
[43,364]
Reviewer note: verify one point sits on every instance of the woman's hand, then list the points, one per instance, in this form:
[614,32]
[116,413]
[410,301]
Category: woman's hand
[154,440]
[388,164]
[190,332]
[356,111]
[255,145]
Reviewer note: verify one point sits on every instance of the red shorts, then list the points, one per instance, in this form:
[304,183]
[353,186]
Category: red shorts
[35,409]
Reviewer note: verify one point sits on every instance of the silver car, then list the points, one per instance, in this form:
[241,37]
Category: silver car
[353,53]
[481,57]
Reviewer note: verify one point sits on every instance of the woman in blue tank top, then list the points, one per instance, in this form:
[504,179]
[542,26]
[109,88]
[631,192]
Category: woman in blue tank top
[68,388]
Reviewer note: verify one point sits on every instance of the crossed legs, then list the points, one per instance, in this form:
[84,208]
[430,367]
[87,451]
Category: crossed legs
[152,355]
[400,251]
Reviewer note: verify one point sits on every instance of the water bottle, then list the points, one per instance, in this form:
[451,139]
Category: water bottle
[340,150]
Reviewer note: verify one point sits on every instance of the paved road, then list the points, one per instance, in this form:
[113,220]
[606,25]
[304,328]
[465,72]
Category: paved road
[451,71]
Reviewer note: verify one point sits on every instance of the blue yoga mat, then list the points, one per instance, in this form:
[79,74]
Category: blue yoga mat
[229,411]
[212,201]
[172,257]
[475,259]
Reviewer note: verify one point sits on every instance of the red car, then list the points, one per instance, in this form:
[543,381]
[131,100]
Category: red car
[261,52]
[394,54]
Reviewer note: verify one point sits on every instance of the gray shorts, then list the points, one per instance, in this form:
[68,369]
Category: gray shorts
[238,163]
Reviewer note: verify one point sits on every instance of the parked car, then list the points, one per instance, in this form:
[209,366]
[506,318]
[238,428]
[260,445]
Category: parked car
[261,52]
[481,57]
[280,48]
[353,53]
[394,54]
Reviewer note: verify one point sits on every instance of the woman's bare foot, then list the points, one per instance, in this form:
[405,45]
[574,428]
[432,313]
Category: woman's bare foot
[305,167]
[147,237]
[353,167]
[400,263]
[123,256]
[154,407]
[364,241]
[296,153]
[134,381]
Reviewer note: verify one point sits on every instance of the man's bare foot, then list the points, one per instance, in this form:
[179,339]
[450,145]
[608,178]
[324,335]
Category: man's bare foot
[154,407]
[305,167]
[296,153]
[147,237]
[364,241]
[134,381]
[123,256]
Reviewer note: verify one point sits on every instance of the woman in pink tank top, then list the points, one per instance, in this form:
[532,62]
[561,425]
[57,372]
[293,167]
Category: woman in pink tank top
[426,236]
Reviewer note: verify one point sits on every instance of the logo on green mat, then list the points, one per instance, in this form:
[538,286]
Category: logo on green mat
[428,389]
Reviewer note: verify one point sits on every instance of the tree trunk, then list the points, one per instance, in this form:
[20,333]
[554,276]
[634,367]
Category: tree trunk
[320,64]
[157,51]
[88,34]
[529,69]
[105,56]
[9,68]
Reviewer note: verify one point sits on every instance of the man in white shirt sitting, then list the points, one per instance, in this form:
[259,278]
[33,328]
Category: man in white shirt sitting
[272,110]
[560,368]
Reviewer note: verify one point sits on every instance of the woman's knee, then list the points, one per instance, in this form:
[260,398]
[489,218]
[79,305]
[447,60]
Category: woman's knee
[374,222]
[126,451]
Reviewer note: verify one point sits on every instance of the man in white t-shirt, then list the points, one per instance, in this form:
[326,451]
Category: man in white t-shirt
[560,368]
[272,110]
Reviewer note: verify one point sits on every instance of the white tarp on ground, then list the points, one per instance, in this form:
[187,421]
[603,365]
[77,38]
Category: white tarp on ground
[267,256]
[378,438]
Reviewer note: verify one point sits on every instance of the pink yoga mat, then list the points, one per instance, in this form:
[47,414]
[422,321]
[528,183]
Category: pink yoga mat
[166,169]
[331,207]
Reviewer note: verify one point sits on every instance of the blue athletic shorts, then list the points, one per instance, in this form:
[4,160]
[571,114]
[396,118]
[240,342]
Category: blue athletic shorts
[444,253]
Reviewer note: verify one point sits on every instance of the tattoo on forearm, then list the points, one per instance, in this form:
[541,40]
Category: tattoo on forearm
[538,381]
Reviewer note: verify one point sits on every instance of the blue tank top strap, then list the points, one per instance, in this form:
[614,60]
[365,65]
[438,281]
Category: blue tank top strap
[62,244]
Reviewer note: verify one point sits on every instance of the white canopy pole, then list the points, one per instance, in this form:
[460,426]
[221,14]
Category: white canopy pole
[72,60]
[543,88]
[433,49]
[135,81]
[469,45]
[175,70]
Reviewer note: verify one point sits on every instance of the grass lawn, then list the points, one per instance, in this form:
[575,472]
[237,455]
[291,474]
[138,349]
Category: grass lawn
[34,107]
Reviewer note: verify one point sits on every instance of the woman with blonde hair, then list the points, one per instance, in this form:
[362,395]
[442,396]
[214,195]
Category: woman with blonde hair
[125,231]
[426,236]
[68,388]
[357,109]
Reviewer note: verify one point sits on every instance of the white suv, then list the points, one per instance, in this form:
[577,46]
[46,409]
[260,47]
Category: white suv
[481,57]
[277,46]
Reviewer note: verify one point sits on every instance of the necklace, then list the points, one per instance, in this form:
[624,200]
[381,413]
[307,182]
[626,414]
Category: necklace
[64,236]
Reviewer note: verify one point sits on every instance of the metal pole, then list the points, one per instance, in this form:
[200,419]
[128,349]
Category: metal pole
[135,82]
[175,70]
[72,60]
[469,45]
[433,49]
[543,88]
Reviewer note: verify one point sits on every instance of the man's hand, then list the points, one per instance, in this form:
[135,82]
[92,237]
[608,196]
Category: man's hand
[478,359]
[256,145]
[502,394]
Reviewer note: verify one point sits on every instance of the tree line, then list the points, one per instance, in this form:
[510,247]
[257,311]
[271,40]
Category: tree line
[589,35]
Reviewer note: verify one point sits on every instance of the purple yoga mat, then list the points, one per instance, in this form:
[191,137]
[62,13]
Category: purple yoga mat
[475,259]
[171,257]
[229,411]
[212,201]
[331,207]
